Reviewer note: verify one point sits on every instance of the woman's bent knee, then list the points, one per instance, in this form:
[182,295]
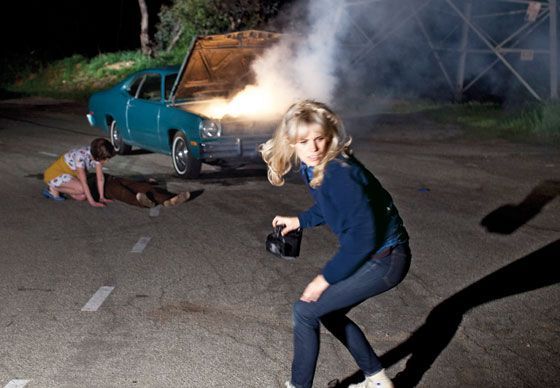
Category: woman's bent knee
[303,313]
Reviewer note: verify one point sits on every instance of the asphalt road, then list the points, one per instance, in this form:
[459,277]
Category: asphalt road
[200,303]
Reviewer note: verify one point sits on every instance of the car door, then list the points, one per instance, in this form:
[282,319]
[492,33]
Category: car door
[143,111]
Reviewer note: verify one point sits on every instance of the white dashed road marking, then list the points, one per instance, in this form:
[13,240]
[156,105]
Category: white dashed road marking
[154,211]
[140,245]
[48,154]
[98,298]
[16,383]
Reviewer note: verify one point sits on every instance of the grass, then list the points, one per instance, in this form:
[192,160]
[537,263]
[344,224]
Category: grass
[533,122]
[77,77]
[543,121]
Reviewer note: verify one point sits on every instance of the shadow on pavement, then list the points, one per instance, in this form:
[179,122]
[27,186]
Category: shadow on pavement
[232,176]
[15,117]
[8,94]
[534,271]
[508,218]
[195,194]
[139,151]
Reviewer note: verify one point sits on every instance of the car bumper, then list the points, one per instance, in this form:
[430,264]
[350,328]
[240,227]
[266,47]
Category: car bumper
[232,148]
[91,119]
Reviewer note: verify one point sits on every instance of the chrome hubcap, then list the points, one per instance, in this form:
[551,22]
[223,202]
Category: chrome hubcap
[181,152]
[115,137]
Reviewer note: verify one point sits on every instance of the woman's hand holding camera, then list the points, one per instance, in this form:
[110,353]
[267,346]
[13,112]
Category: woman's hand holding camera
[291,223]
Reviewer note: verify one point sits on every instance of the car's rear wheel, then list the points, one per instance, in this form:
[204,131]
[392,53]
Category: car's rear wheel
[184,164]
[116,139]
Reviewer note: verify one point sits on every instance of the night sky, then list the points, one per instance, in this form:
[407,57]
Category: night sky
[54,29]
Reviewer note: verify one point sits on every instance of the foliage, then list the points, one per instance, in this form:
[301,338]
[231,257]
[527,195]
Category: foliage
[245,14]
[184,19]
[188,18]
[13,65]
[543,120]
[77,77]
[178,24]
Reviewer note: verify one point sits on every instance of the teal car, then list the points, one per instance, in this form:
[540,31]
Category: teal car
[164,110]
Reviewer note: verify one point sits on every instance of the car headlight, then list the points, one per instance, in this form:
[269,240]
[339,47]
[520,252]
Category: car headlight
[210,129]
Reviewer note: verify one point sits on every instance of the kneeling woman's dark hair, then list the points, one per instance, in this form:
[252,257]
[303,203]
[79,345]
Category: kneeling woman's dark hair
[102,149]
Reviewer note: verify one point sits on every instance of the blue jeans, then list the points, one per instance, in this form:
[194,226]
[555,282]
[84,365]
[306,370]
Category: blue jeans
[374,277]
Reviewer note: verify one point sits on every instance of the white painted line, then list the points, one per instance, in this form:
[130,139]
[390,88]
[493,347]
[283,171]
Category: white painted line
[98,298]
[140,245]
[18,383]
[48,153]
[154,211]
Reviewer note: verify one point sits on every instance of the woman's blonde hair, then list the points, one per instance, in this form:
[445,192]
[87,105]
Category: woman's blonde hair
[279,152]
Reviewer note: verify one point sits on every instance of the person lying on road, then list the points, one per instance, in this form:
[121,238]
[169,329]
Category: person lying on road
[142,193]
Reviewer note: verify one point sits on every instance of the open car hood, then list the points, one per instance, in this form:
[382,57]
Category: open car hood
[220,65]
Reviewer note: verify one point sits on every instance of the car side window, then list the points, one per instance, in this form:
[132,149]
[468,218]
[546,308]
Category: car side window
[169,81]
[134,86]
[151,88]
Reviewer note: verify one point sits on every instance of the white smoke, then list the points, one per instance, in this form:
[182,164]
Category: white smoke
[301,66]
[358,55]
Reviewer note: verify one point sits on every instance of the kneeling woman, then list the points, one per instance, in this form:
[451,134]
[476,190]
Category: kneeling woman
[373,256]
[68,174]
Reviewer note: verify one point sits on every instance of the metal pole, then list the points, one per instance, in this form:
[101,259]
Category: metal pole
[494,50]
[434,52]
[553,33]
[463,49]
[393,30]
[521,33]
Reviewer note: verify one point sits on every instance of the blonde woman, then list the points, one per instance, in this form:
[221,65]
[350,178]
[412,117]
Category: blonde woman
[373,255]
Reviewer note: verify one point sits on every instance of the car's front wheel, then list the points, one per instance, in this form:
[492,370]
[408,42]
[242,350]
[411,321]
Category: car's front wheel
[116,139]
[184,164]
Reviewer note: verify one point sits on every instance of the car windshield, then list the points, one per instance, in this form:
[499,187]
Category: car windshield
[169,81]
[133,89]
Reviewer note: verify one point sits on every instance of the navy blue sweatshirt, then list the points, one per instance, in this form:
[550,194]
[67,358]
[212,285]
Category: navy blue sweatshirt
[361,213]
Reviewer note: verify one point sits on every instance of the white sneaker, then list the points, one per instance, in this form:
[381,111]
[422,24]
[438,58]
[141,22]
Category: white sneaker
[289,385]
[378,380]
[178,199]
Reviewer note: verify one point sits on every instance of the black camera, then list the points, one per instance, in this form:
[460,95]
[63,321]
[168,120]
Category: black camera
[287,246]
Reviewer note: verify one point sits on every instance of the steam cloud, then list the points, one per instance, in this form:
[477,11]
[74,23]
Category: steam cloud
[355,53]
[301,66]
[355,50]
[308,69]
